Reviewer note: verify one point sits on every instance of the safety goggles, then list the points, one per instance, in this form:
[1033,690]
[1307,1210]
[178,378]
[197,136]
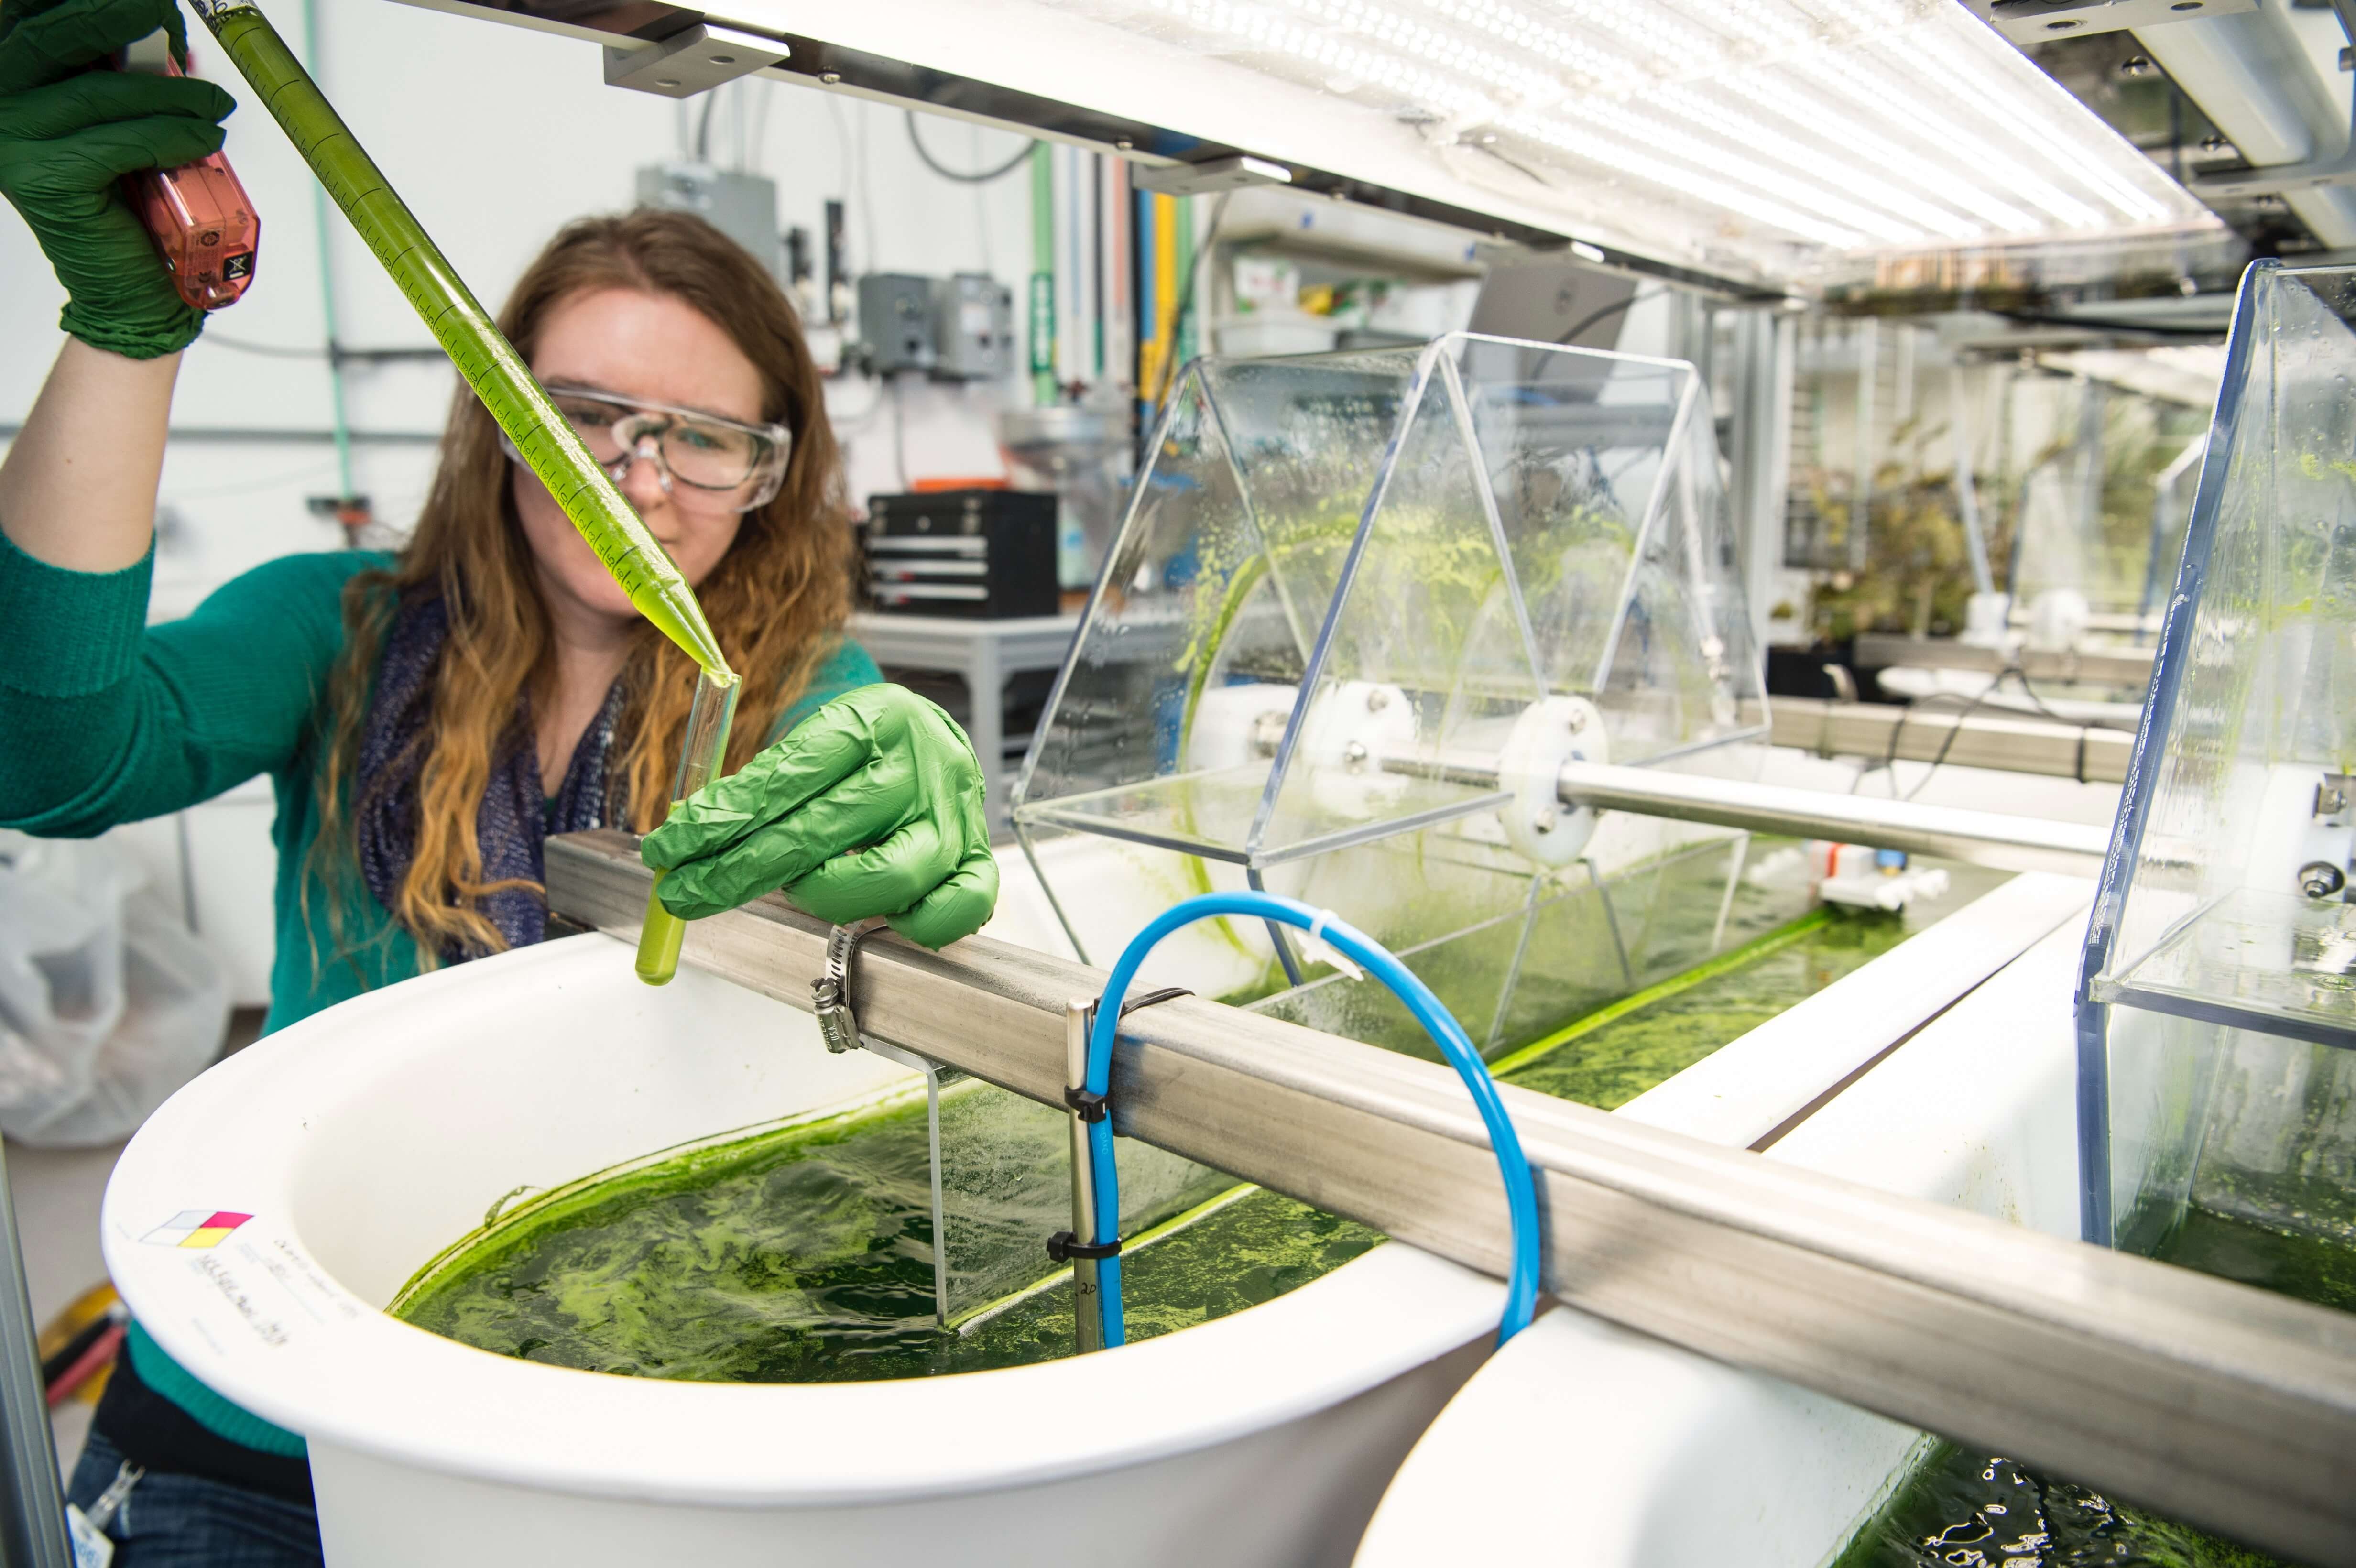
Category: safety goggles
[723,464]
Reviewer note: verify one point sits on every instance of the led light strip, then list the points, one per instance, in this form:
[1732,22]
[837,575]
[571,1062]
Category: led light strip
[1927,216]
[1818,120]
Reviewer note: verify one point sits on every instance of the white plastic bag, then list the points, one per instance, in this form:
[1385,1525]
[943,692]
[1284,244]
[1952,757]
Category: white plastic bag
[107,1002]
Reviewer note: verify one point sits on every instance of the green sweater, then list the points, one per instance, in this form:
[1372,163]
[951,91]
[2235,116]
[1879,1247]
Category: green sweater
[108,721]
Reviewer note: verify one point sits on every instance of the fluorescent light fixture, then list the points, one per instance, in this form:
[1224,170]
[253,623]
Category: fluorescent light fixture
[1203,179]
[1780,137]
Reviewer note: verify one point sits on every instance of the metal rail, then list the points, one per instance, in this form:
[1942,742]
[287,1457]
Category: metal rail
[1955,833]
[1920,734]
[2226,1405]
[2105,667]
[32,1506]
[1979,837]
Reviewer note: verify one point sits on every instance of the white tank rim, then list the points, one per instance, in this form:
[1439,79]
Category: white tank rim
[352,1376]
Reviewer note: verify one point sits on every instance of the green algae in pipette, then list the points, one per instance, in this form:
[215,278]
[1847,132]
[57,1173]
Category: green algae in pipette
[465,330]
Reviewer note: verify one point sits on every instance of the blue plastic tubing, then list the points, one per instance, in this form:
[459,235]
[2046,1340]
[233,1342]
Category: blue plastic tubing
[1521,1194]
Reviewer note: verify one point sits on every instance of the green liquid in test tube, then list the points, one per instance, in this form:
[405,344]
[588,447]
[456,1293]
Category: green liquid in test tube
[699,764]
[505,384]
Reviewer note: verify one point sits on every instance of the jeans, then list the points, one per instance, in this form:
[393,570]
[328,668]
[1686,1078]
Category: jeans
[186,1521]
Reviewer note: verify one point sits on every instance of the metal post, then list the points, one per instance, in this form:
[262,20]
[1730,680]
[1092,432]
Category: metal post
[33,1525]
[1968,490]
[1760,457]
[1087,1324]
[1860,499]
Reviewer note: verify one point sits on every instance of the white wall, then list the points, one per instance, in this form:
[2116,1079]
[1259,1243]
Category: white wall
[496,135]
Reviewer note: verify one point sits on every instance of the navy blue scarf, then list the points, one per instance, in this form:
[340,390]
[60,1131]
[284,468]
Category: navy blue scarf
[515,818]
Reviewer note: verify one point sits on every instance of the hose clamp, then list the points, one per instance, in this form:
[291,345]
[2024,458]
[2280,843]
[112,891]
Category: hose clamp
[831,992]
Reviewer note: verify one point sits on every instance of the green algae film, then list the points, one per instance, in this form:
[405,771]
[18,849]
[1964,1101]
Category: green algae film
[800,1255]
[2306,1267]
[1677,1025]
[804,1254]
[1965,1510]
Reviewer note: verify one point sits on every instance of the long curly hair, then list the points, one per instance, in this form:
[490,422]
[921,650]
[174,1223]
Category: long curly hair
[776,601]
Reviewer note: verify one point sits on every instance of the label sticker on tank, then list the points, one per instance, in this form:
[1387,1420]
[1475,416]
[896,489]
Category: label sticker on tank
[238,266]
[196,1228]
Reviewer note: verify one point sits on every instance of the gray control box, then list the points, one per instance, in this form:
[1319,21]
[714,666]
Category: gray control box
[975,318]
[896,322]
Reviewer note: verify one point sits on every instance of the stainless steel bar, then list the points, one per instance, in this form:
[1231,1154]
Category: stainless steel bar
[1965,741]
[2227,1406]
[1088,1325]
[1978,837]
[32,1513]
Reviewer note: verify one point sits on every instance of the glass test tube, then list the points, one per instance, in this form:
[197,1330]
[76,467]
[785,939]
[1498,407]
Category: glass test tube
[702,759]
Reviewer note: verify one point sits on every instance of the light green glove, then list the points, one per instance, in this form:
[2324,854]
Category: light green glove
[68,135]
[872,805]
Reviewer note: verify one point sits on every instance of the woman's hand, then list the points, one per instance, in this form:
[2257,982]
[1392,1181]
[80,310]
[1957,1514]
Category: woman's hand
[68,134]
[872,805]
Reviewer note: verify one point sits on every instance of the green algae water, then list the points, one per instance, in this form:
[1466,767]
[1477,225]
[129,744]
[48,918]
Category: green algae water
[803,1253]
[2303,1266]
[1963,1510]
[1619,1051]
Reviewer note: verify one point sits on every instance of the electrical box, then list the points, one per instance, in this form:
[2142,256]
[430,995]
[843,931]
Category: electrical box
[743,206]
[957,328]
[974,316]
[896,321]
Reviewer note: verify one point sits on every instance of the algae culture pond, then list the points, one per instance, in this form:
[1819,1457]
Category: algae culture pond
[804,1253]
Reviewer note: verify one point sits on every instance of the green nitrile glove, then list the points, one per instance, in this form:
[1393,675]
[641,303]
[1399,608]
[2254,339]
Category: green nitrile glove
[68,134]
[872,805]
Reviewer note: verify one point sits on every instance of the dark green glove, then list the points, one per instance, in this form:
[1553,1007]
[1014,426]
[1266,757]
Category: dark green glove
[68,134]
[872,805]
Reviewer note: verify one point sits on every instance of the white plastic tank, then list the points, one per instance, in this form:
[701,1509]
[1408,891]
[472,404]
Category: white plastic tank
[1581,1442]
[265,1214]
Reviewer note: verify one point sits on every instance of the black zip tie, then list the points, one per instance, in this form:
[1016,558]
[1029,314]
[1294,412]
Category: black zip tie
[1097,1107]
[1063,1246]
[1154,998]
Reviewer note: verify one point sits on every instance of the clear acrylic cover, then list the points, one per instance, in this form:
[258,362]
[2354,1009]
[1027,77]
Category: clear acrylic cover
[2220,998]
[1354,591]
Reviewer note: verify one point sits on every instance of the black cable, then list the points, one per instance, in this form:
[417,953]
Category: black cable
[1635,297]
[703,129]
[2098,325]
[2009,672]
[963,176]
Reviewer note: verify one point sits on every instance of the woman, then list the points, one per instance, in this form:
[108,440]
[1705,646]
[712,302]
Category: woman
[428,716]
